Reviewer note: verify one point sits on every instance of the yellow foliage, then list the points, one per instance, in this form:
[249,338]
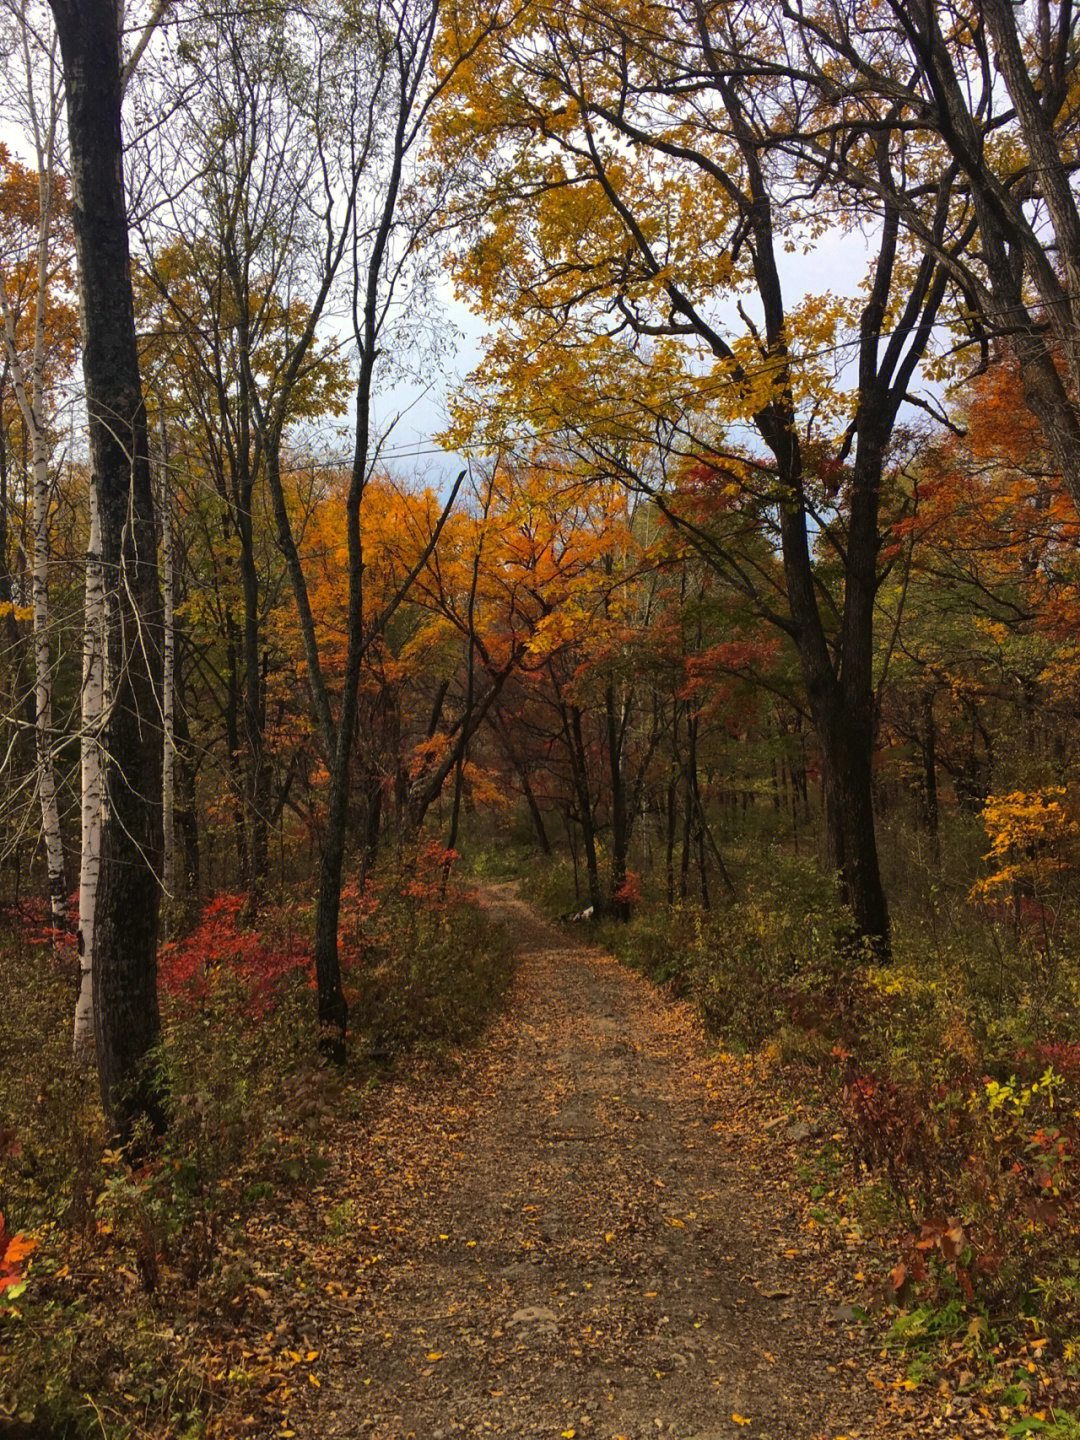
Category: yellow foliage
[1032,834]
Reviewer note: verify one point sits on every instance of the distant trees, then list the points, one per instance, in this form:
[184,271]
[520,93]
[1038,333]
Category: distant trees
[714,548]
[235,284]
[628,196]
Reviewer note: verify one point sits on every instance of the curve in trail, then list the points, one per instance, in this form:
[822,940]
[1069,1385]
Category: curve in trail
[595,1261]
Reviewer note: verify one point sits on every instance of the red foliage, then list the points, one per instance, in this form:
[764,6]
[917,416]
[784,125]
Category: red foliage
[629,892]
[1028,916]
[32,918]
[428,882]
[1062,1056]
[219,949]
[887,1127]
[13,1251]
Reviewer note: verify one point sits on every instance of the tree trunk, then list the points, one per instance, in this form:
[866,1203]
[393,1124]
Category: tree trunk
[256,769]
[579,763]
[43,685]
[232,758]
[669,853]
[373,791]
[929,752]
[27,389]
[847,772]
[168,690]
[620,836]
[28,381]
[535,812]
[91,764]
[126,1019]
[187,812]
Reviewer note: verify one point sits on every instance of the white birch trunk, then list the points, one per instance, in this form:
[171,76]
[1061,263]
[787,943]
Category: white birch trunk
[27,384]
[28,378]
[168,698]
[93,795]
[43,688]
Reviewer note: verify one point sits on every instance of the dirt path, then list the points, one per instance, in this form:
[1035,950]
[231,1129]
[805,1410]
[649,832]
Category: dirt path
[586,1252]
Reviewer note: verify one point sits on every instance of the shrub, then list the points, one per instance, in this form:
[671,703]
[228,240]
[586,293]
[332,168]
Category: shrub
[120,1249]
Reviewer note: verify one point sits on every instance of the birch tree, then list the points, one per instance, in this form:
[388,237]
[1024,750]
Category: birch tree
[33,266]
[92,793]
[168,679]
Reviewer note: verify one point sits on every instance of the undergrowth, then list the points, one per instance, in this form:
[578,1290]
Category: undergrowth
[952,1074]
[130,1280]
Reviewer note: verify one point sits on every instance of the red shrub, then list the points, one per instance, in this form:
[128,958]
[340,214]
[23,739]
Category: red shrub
[218,949]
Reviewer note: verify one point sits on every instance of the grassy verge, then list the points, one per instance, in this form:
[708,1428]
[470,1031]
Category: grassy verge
[127,1289]
[936,1103]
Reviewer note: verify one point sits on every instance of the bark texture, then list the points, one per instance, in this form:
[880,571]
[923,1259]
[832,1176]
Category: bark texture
[126,1019]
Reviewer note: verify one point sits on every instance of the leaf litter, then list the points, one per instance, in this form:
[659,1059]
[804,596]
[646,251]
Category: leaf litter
[588,1227]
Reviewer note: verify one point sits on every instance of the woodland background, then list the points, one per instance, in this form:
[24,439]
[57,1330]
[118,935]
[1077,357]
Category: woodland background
[748,628]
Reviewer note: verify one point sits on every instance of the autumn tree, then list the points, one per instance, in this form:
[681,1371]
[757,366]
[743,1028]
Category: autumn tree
[984,661]
[983,91]
[396,49]
[628,193]
[232,295]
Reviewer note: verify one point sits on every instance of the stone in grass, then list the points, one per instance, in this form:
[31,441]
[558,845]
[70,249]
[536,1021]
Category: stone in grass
[802,1130]
[536,1318]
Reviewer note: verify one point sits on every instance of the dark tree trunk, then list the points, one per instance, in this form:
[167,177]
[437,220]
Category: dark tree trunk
[373,800]
[669,853]
[331,1007]
[620,829]
[257,780]
[466,719]
[929,751]
[126,1021]
[580,771]
[850,735]
[842,706]
[232,758]
[573,856]
[672,805]
[187,813]
[534,811]
[687,836]
[257,775]
[849,818]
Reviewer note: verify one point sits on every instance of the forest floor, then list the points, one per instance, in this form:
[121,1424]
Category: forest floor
[593,1226]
